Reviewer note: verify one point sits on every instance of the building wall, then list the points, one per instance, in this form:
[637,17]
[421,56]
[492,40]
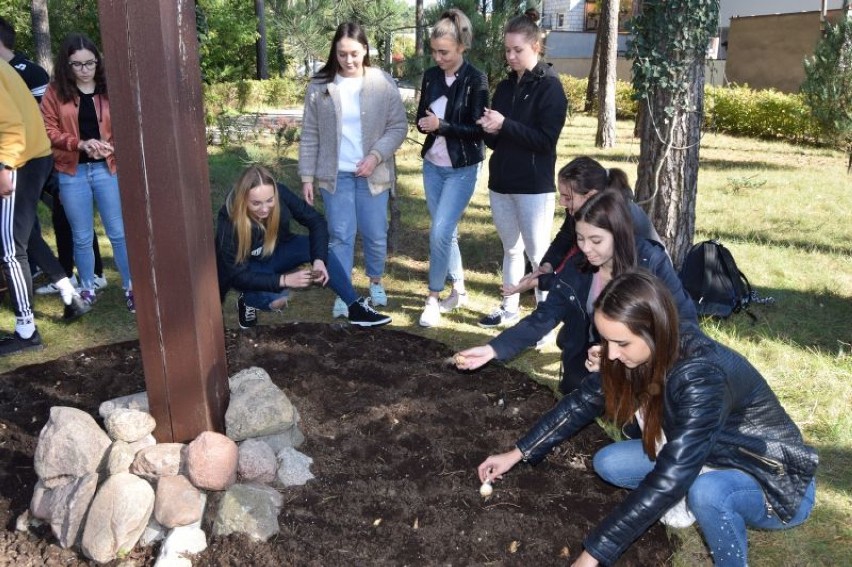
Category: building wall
[768,51]
[714,70]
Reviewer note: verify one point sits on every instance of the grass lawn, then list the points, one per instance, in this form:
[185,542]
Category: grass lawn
[783,210]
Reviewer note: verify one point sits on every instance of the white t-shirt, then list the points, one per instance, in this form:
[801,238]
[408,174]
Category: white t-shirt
[438,153]
[351,146]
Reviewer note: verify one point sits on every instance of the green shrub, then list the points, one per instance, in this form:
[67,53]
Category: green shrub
[575,90]
[252,95]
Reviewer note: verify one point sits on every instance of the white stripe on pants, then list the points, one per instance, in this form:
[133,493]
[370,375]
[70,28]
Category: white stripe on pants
[524,224]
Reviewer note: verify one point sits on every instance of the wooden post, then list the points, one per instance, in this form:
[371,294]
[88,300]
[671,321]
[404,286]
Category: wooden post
[154,80]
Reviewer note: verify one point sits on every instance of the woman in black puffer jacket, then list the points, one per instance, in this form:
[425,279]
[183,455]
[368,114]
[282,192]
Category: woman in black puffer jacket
[716,443]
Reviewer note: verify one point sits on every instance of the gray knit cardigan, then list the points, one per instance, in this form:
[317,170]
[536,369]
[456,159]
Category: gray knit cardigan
[383,129]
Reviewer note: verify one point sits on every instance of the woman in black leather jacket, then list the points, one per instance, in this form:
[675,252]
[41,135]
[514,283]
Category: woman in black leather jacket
[453,97]
[703,410]
[608,247]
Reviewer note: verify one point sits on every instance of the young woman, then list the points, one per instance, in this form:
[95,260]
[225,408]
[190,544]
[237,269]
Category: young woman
[353,123]
[580,179]
[77,117]
[607,248]
[712,431]
[453,97]
[258,255]
[522,128]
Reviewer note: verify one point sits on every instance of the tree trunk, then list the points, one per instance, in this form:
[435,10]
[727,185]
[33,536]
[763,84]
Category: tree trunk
[41,35]
[260,44]
[667,173]
[594,70]
[608,54]
[418,28]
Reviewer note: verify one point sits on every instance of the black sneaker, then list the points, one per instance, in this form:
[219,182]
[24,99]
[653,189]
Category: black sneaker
[13,344]
[361,313]
[499,318]
[246,315]
[77,309]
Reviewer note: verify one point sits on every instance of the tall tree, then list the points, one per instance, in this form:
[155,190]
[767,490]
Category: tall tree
[608,53]
[594,70]
[41,35]
[260,43]
[419,28]
[828,83]
[670,45]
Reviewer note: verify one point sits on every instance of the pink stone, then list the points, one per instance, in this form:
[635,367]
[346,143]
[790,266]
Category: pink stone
[211,461]
[178,503]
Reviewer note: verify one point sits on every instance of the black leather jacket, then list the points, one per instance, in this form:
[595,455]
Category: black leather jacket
[718,411]
[566,302]
[466,102]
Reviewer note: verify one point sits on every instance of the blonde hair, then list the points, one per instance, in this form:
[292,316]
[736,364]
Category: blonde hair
[455,24]
[237,206]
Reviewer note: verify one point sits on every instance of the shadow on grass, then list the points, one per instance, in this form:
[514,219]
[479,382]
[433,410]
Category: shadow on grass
[802,244]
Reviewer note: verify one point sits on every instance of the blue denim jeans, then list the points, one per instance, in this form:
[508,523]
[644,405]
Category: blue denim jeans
[448,191]
[94,182]
[287,256]
[724,502]
[350,209]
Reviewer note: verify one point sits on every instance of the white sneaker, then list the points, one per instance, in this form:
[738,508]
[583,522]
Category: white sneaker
[453,301]
[377,294]
[100,282]
[51,288]
[431,313]
[678,516]
[340,309]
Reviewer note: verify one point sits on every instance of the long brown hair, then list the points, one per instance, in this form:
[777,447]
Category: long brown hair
[351,30]
[64,79]
[584,174]
[641,302]
[608,210]
[237,206]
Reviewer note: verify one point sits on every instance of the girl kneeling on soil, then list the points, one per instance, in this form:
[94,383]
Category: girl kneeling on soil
[258,255]
[702,409]
[608,247]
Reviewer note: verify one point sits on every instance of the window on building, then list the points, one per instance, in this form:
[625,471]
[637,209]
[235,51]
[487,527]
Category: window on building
[627,10]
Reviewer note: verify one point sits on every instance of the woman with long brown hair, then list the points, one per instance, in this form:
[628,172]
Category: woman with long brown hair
[716,445]
[258,255]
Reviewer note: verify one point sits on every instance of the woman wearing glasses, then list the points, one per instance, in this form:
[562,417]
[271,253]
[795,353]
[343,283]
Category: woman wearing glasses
[77,118]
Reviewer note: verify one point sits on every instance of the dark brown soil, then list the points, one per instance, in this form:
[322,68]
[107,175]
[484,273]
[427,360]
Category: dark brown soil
[395,433]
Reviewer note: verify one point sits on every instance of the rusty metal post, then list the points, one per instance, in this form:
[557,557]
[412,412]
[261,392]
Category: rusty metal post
[151,53]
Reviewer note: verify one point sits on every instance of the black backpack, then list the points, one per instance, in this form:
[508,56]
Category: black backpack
[711,277]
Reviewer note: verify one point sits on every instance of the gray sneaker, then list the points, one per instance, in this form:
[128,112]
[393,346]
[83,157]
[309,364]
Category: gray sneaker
[499,318]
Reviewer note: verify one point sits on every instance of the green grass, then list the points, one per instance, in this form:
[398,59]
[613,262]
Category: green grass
[783,210]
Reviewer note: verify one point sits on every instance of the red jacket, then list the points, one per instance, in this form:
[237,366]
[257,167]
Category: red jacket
[63,128]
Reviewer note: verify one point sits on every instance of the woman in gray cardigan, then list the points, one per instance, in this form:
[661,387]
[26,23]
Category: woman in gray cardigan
[354,121]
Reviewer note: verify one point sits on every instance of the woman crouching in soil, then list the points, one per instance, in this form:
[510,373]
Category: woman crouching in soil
[258,255]
[702,410]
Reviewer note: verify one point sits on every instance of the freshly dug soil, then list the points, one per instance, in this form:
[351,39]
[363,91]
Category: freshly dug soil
[396,434]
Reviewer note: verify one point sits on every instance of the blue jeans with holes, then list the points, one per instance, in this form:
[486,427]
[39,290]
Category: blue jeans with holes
[724,502]
[288,256]
[353,209]
[448,191]
[93,182]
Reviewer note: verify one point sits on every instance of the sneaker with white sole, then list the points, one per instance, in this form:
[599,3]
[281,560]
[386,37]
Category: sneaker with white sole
[361,313]
[51,288]
[246,315]
[547,339]
[499,318]
[100,282]
[431,316]
[340,309]
[377,294]
[453,301]
[89,296]
[129,302]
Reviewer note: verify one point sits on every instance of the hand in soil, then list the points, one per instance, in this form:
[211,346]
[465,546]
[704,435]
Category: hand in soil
[496,465]
[474,358]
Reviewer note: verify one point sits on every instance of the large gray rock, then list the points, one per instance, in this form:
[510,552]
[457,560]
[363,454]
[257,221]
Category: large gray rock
[65,506]
[211,461]
[70,445]
[118,516]
[257,463]
[129,425]
[251,509]
[178,503]
[163,459]
[253,373]
[258,408]
[137,401]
